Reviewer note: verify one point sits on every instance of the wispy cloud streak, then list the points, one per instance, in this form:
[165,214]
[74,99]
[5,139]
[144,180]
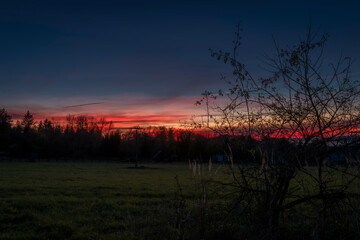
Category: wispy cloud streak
[85,104]
[122,111]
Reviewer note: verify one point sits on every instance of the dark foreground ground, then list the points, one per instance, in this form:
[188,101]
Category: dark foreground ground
[92,200]
[89,200]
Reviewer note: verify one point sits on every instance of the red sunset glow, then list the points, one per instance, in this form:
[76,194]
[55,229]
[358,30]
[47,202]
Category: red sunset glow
[121,111]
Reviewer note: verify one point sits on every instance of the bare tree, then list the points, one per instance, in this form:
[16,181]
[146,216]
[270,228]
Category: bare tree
[303,113]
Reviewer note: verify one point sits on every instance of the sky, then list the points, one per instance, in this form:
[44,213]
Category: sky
[146,62]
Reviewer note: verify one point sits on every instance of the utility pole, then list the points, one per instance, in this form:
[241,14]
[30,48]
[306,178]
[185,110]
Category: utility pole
[136,144]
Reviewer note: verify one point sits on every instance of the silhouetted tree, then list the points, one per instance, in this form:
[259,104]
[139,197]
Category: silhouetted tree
[5,120]
[5,128]
[301,107]
[27,122]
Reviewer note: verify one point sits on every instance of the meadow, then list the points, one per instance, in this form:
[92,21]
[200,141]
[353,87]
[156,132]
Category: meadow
[99,200]
[89,200]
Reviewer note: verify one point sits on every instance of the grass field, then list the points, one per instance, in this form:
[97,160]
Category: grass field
[88,200]
[40,200]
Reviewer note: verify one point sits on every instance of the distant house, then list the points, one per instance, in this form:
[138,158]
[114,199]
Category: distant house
[161,156]
[157,156]
[343,157]
[220,158]
[4,155]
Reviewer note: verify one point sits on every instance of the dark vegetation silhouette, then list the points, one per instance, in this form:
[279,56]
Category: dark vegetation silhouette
[300,177]
[86,138]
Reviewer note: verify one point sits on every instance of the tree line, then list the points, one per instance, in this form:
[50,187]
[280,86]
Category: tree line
[84,137]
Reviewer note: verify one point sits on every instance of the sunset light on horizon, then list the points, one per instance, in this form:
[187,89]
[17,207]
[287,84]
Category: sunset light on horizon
[120,111]
[126,63]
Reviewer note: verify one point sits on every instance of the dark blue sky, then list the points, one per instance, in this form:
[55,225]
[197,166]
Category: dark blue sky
[59,53]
